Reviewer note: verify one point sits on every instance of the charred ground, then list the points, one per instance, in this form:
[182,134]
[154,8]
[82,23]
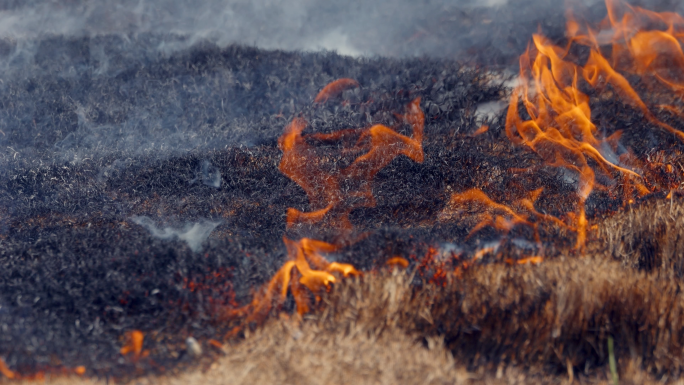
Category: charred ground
[77,272]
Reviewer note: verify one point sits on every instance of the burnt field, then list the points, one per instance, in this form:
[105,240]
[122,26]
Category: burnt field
[195,199]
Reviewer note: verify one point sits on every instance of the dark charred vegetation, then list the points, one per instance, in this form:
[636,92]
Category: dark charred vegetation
[77,271]
[83,105]
[192,136]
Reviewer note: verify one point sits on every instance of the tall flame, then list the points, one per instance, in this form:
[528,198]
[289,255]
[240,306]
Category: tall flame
[560,128]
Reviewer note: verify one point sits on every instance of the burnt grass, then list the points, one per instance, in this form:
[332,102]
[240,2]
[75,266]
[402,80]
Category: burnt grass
[84,155]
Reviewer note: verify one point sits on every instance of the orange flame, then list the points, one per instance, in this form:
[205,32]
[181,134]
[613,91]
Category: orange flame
[302,255]
[306,267]
[497,215]
[526,261]
[134,344]
[479,254]
[640,45]
[560,129]
[397,261]
[484,128]
[334,89]
[5,370]
[39,375]
[307,271]
[215,344]
[383,144]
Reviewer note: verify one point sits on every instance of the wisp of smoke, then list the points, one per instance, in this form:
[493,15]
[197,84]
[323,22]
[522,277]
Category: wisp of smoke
[193,234]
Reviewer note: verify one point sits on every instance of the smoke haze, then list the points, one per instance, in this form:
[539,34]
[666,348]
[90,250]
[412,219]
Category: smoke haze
[91,79]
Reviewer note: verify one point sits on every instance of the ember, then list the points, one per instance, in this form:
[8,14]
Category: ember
[134,344]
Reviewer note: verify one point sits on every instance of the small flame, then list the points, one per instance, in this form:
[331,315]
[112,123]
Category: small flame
[501,217]
[525,261]
[481,253]
[383,144]
[216,344]
[39,375]
[484,128]
[397,261]
[134,344]
[302,255]
[306,267]
[5,370]
[334,89]
[307,271]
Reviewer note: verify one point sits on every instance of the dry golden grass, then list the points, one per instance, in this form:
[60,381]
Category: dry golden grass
[362,342]
[647,237]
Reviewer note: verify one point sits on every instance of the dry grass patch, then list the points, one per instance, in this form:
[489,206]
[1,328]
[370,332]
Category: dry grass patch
[648,237]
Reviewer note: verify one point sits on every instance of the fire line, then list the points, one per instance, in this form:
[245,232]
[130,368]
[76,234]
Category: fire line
[548,113]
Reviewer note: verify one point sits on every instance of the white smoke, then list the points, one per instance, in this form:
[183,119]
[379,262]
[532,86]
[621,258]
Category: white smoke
[193,234]
[350,28]
[209,174]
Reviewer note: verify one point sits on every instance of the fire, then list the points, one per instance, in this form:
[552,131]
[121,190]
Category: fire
[637,48]
[525,261]
[548,113]
[560,129]
[497,215]
[334,89]
[215,344]
[484,128]
[297,273]
[5,370]
[324,187]
[134,344]
[397,261]
[307,271]
[40,374]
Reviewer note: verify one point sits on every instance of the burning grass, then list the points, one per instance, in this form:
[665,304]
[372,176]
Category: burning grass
[493,324]
[520,245]
[564,312]
[79,275]
[502,323]
[561,129]
[548,316]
